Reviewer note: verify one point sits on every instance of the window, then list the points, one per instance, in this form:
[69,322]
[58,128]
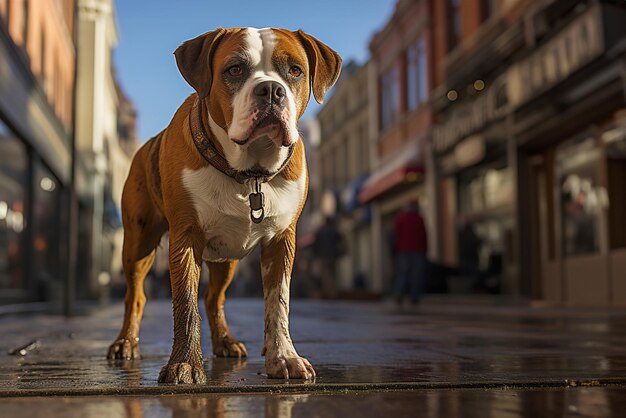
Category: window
[417,74]
[454,23]
[13,202]
[390,97]
[581,197]
[46,221]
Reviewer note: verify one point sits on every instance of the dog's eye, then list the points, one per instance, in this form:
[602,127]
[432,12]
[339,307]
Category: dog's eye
[295,71]
[235,71]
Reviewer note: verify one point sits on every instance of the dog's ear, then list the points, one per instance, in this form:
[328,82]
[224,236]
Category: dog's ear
[194,58]
[324,64]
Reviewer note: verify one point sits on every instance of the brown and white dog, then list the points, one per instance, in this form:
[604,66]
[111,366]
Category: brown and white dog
[228,173]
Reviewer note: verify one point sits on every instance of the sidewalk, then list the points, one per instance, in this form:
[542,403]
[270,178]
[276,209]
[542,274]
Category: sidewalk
[368,358]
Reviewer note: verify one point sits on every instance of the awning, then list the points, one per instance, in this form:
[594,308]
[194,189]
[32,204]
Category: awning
[407,174]
[404,166]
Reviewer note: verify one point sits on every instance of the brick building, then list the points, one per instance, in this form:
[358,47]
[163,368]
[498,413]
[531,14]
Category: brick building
[401,78]
[529,146]
[37,67]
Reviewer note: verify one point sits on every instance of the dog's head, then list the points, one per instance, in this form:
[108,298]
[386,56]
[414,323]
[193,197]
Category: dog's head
[257,83]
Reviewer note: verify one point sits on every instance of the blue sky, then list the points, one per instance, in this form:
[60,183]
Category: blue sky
[150,31]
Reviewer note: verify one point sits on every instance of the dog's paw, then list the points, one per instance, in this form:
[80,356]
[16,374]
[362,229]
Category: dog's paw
[295,367]
[124,349]
[229,347]
[182,373]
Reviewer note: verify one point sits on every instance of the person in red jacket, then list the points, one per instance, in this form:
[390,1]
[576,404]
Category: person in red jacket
[410,245]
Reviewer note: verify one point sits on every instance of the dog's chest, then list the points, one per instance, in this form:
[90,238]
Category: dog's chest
[223,211]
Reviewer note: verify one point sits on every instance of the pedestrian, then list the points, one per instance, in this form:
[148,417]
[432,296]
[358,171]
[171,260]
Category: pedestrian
[328,247]
[410,247]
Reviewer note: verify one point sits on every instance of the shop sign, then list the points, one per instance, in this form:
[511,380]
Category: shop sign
[574,47]
[470,151]
[469,117]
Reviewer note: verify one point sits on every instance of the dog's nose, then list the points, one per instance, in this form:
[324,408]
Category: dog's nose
[270,91]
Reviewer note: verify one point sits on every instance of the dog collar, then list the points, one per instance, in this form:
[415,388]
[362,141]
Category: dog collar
[207,149]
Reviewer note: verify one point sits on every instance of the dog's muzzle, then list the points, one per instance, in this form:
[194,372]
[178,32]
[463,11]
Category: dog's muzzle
[269,93]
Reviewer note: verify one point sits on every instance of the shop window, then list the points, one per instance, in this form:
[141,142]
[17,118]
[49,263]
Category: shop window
[390,97]
[13,196]
[417,74]
[581,198]
[490,189]
[485,225]
[46,231]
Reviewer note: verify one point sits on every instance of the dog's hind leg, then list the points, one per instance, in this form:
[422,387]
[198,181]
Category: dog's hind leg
[143,228]
[220,276]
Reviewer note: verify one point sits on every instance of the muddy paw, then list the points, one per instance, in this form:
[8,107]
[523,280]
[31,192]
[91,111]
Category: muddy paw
[229,347]
[289,368]
[124,349]
[182,373]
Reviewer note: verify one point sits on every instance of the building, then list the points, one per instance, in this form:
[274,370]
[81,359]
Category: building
[401,118]
[105,142]
[343,164]
[530,146]
[37,67]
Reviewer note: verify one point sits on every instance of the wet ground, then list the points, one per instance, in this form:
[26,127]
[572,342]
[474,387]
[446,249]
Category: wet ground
[441,360]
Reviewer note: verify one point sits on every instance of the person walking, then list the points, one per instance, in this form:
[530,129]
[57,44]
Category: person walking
[328,247]
[410,247]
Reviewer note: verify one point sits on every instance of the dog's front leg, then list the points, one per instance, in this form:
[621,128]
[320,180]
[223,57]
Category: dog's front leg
[186,363]
[281,358]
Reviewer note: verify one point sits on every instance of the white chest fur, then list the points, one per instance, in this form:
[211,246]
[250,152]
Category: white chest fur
[223,211]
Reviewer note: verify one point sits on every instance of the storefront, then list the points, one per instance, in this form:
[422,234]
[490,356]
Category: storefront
[475,187]
[34,171]
[531,170]
[574,170]
[387,191]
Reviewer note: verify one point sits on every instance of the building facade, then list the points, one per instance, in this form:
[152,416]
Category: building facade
[37,67]
[401,118]
[343,161]
[105,142]
[529,146]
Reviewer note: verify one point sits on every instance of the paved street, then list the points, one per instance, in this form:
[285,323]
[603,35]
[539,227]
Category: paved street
[443,360]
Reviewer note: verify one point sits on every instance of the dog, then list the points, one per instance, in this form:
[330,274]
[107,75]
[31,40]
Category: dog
[228,173]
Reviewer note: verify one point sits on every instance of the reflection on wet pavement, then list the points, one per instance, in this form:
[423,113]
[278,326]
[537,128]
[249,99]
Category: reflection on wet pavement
[354,347]
[563,402]
[347,342]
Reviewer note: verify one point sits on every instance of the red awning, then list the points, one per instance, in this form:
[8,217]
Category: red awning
[373,189]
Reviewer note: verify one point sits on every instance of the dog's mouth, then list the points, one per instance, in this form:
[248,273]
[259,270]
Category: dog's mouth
[267,124]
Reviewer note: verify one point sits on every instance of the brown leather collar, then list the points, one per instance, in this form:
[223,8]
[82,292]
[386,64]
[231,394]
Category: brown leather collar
[207,149]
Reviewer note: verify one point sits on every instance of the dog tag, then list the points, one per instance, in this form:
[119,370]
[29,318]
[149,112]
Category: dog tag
[257,203]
